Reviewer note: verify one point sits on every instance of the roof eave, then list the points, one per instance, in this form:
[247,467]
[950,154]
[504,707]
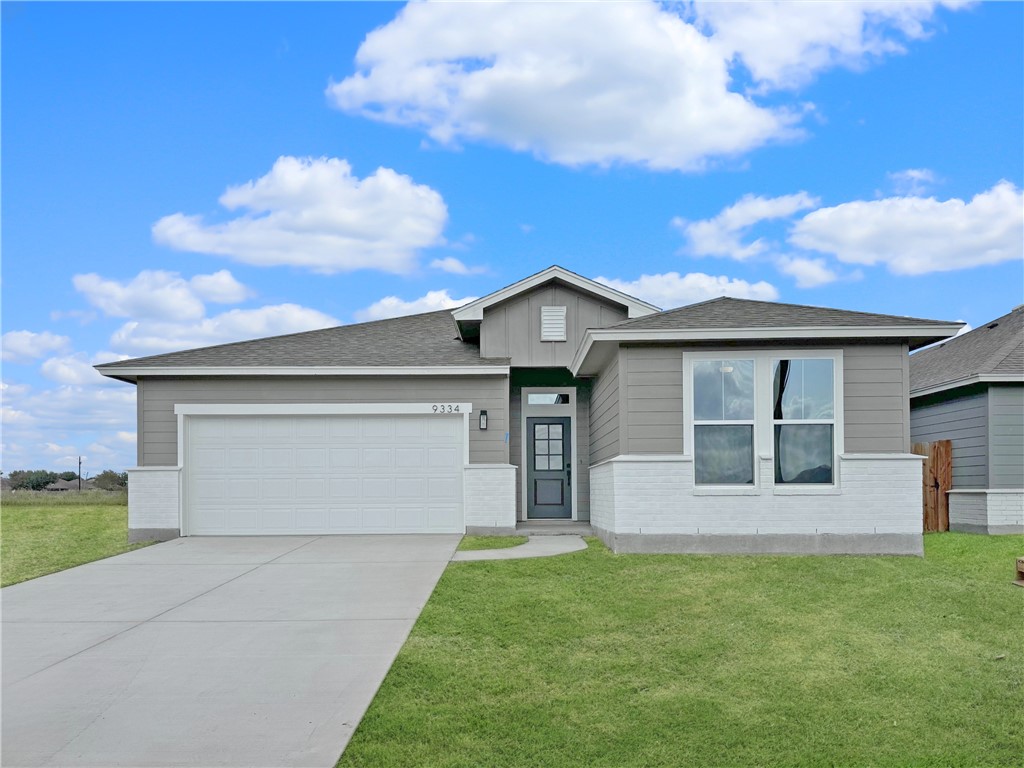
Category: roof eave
[917,336]
[131,373]
[966,381]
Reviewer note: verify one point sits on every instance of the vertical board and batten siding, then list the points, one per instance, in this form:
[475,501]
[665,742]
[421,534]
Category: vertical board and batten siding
[1006,436]
[158,425]
[875,403]
[963,420]
[604,413]
[513,329]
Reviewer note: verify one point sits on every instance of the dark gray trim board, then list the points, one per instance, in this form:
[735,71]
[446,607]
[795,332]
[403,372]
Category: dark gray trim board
[991,530]
[765,543]
[135,535]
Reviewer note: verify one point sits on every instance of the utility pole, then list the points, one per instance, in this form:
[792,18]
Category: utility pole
[79,474]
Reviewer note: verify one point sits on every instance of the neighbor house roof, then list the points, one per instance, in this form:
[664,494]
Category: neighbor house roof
[992,353]
[729,319]
[427,342]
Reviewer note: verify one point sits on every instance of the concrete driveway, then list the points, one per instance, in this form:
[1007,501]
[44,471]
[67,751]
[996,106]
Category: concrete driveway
[227,651]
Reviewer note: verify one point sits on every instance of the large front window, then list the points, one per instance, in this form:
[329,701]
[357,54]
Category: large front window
[743,407]
[723,422]
[803,420]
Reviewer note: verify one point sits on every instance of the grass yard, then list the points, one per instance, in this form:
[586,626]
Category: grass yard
[595,659]
[44,532]
[469,543]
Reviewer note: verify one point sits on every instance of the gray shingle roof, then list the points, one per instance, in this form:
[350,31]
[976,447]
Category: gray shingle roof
[996,348]
[416,340]
[726,312]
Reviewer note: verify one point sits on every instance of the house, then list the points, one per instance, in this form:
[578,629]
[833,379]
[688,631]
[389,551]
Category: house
[725,426]
[970,390]
[61,485]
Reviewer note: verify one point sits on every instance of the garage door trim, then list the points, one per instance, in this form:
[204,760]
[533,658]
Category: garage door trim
[184,410]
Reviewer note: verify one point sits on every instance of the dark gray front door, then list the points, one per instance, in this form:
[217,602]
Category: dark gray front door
[549,467]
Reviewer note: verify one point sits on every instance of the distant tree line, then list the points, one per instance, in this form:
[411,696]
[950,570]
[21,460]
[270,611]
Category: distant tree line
[38,479]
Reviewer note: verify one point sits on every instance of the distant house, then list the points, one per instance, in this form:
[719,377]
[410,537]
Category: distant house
[970,390]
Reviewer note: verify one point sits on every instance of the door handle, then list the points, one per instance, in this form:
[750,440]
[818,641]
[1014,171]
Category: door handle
[568,475]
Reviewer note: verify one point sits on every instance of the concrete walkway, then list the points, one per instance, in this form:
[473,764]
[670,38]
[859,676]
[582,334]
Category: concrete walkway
[227,651]
[536,546]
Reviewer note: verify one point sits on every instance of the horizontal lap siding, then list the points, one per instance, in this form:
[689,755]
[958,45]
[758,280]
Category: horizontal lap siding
[1006,436]
[604,413]
[964,421]
[654,400]
[158,426]
[876,389]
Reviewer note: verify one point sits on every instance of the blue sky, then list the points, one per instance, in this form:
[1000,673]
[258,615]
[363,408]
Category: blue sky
[178,175]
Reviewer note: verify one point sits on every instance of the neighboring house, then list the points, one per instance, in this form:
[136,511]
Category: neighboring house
[70,485]
[729,425]
[970,390]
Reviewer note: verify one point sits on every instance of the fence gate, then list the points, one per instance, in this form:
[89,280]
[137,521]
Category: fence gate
[937,480]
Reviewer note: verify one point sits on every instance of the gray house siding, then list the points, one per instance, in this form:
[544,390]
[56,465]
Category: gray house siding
[157,396]
[963,419]
[875,383]
[1006,436]
[604,414]
[512,329]
[654,400]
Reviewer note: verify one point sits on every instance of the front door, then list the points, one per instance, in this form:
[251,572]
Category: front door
[549,467]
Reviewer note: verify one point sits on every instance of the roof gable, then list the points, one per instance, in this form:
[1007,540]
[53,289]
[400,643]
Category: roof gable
[474,311]
[992,352]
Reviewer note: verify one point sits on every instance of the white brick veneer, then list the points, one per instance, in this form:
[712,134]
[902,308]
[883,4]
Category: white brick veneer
[490,497]
[993,510]
[877,494]
[153,498]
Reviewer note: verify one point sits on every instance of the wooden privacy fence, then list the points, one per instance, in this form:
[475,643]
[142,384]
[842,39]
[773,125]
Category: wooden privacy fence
[937,480]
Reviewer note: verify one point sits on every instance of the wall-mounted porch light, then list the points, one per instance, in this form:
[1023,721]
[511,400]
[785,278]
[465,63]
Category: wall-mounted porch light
[483,420]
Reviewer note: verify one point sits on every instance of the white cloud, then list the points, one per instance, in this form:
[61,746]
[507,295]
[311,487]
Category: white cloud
[785,44]
[575,83]
[158,294]
[674,290]
[127,437]
[392,306]
[220,287]
[74,369]
[147,337]
[314,213]
[721,235]
[809,273]
[914,235]
[455,267]
[912,181]
[23,346]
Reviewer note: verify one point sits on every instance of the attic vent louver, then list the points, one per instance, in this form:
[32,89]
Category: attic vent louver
[552,323]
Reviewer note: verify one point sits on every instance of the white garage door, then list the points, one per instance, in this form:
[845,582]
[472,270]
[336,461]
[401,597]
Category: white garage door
[324,474]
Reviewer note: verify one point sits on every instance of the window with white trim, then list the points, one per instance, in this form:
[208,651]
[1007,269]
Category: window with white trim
[782,405]
[803,420]
[723,422]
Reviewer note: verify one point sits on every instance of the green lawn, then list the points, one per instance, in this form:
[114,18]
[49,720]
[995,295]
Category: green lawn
[594,659]
[44,532]
[490,542]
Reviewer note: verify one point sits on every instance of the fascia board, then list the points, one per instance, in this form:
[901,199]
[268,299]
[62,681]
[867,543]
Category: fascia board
[440,370]
[985,378]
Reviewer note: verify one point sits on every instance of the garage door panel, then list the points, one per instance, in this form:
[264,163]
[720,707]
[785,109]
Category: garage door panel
[324,474]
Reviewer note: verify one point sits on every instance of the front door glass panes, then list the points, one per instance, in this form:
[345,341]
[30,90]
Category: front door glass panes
[547,446]
[723,422]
